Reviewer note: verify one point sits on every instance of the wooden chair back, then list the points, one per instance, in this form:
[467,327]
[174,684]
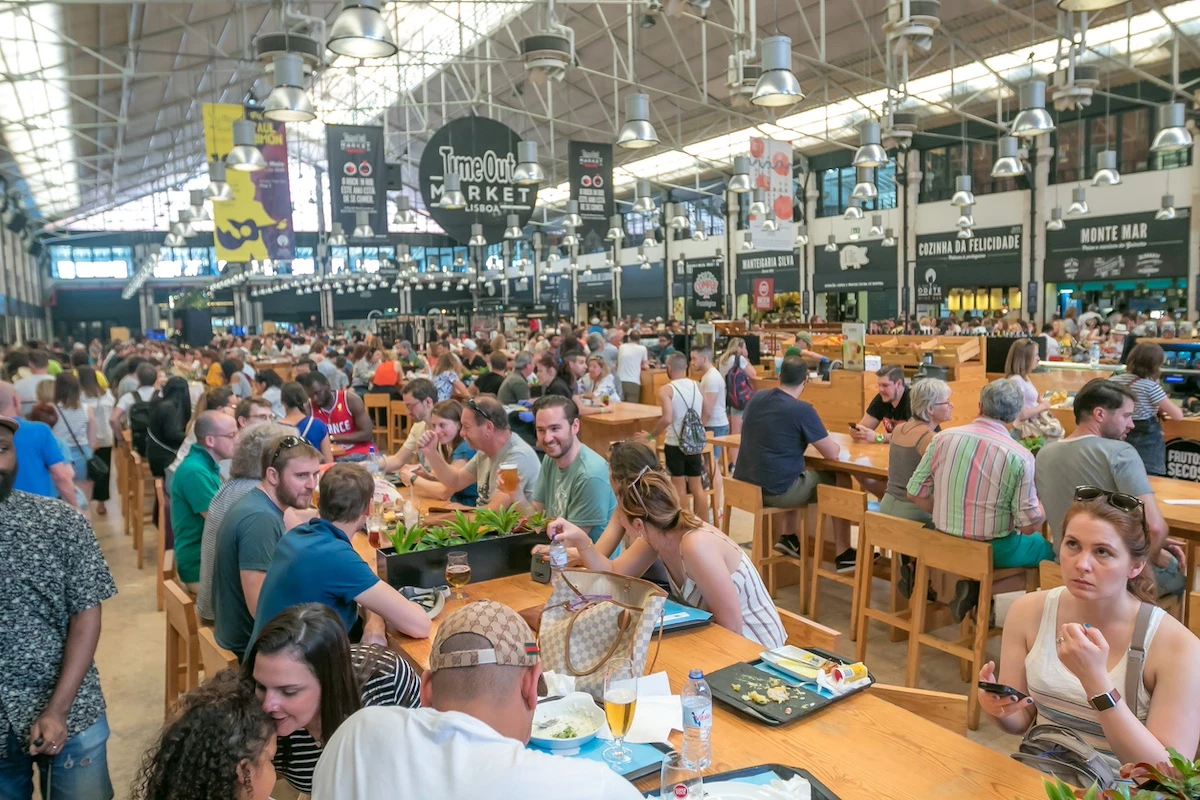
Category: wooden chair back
[848,504]
[947,710]
[214,657]
[182,656]
[377,407]
[160,556]
[397,424]
[742,495]
[803,632]
[893,533]
[1049,575]
[836,503]
[963,557]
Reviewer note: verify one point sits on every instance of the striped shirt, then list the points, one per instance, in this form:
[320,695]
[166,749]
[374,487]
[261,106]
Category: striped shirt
[981,480]
[1147,393]
[389,681]
[229,494]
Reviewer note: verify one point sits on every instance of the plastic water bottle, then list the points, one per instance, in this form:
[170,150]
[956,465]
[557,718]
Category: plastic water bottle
[1094,355]
[558,558]
[697,721]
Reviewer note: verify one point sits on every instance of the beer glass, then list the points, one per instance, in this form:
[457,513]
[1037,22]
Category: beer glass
[458,573]
[620,704]
[509,480]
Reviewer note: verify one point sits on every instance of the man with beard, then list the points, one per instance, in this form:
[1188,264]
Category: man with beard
[573,482]
[1096,454]
[247,536]
[53,579]
[344,414]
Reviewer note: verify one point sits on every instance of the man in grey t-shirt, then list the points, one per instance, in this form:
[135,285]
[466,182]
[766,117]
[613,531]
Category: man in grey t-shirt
[1095,454]
[515,386]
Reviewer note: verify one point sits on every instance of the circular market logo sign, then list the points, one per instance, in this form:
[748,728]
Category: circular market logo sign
[484,154]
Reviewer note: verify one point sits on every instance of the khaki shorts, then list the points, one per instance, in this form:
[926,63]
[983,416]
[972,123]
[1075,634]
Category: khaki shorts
[802,492]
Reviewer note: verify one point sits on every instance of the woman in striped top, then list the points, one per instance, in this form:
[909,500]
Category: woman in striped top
[705,567]
[1141,376]
[1070,646]
[310,679]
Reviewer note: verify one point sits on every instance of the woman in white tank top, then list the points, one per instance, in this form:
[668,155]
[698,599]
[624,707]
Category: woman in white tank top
[1069,648]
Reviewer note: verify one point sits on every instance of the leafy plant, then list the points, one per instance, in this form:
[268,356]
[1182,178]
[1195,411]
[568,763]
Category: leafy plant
[537,521]
[405,540]
[1176,779]
[444,536]
[467,528]
[502,520]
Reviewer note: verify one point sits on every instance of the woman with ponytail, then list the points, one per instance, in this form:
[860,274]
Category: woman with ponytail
[706,568]
[1069,647]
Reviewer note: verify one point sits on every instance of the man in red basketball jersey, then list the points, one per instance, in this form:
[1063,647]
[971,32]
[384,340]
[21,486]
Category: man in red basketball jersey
[344,414]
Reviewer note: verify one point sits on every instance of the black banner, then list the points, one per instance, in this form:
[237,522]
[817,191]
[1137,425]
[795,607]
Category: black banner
[595,287]
[1183,460]
[641,282]
[855,267]
[992,257]
[705,286]
[520,291]
[483,152]
[590,173]
[1125,247]
[782,266]
[357,175]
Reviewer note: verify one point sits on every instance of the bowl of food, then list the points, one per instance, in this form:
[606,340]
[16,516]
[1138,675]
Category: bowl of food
[567,724]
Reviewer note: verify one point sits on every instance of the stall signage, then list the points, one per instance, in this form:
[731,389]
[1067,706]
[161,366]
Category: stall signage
[590,173]
[855,267]
[764,293]
[595,286]
[782,266]
[1125,247]
[484,154]
[706,290]
[929,290]
[771,171]
[992,257]
[520,290]
[1183,459]
[357,175]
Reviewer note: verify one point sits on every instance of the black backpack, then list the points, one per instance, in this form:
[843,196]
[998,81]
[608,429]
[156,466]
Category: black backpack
[139,422]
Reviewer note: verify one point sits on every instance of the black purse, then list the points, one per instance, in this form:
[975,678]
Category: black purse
[95,463]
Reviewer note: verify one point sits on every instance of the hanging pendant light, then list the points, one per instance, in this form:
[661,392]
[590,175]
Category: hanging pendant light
[1106,169]
[965,219]
[831,245]
[854,235]
[404,212]
[758,206]
[644,203]
[1055,223]
[1167,210]
[198,209]
[218,190]
[459,263]
[769,223]
[865,189]
[183,228]
[615,230]
[360,31]
[740,182]
[288,101]
[1079,206]
[870,152]
[572,217]
[801,234]
[362,226]
[678,220]
[637,132]
[245,155]
[1008,163]
[404,255]
[1172,135]
[452,197]
[966,233]
[777,86]
[650,240]
[1088,5]
[643,259]
[477,239]
[173,239]
[528,171]
[337,236]
[1032,120]
[877,224]
[889,238]
[699,235]
[569,238]
[513,229]
[853,210]
[963,196]
[747,241]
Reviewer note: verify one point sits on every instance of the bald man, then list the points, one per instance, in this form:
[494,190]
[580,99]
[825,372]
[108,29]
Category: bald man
[196,483]
[43,470]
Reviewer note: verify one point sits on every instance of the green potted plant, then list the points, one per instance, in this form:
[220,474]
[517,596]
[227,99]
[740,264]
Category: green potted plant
[1175,779]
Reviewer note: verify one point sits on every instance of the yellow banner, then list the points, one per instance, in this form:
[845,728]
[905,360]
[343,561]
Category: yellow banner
[257,223]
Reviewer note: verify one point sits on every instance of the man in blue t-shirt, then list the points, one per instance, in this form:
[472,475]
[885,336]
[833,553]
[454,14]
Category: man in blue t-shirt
[777,427]
[41,469]
[315,563]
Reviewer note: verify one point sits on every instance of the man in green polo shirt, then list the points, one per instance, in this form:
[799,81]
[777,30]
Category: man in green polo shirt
[573,482]
[197,481]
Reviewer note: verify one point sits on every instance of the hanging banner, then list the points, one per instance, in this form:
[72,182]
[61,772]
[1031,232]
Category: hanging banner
[595,286]
[483,152]
[705,286]
[1125,247]
[520,291]
[763,293]
[771,170]
[782,267]
[590,173]
[992,257]
[357,175]
[257,223]
[855,267]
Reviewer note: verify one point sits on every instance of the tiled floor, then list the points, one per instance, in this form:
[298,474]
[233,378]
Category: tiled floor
[131,657]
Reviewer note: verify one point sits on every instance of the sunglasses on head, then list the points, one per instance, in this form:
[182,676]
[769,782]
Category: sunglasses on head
[286,443]
[482,413]
[1118,500]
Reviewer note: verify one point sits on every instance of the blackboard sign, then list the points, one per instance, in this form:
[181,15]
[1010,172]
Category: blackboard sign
[594,287]
[520,291]
[992,257]
[780,266]
[1125,247]
[855,267]
[1183,460]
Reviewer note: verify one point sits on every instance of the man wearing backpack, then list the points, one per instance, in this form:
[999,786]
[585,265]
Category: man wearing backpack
[136,406]
[682,404]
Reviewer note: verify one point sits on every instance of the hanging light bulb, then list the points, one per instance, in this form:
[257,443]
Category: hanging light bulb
[853,210]
[477,239]
[288,101]
[777,85]
[637,132]
[870,152]
[513,230]
[1106,169]
[877,224]
[404,212]
[740,182]
[758,206]
[1088,5]
[854,234]
[569,238]
[1079,205]
[197,208]
[1167,211]
[643,203]
[747,241]
[801,234]
[245,155]
[572,217]
[1032,120]
[965,219]
[218,190]
[360,31]
[965,233]
[865,188]
[889,238]
[769,223]
[651,240]
[1171,135]
[1008,162]
[452,197]
[183,228]
[528,171]
[615,230]
[831,245]
[679,220]
[404,255]
[337,236]
[699,235]
[963,196]
[362,226]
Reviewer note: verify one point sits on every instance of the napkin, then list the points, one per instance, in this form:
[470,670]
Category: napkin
[658,712]
[558,684]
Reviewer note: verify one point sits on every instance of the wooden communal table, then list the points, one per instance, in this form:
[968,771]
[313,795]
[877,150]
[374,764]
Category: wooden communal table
[625,420]
[869,459]
[863,748]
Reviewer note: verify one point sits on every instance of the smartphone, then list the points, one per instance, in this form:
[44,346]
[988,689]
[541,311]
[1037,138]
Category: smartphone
[853,426]
[1001,689]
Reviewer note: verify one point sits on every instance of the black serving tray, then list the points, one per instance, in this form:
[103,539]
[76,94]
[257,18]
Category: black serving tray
[819,790]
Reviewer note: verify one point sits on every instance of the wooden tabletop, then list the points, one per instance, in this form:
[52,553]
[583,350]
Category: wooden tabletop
[860,458]
[863,748]
[622,413]
[1184,521]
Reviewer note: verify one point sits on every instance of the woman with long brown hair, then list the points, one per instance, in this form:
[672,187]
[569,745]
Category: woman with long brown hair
[75,428]
[445,420]
[101,403]
[1021,361]
[1142,371]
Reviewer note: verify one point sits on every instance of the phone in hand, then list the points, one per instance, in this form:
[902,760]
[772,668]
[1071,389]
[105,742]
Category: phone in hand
[853,426]
[1002,690]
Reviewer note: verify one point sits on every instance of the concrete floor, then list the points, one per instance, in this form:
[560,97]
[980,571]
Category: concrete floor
[131,651]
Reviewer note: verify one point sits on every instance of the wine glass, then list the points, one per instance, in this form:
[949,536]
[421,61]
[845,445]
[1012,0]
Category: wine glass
[678,781]
[620,704]
[458,573]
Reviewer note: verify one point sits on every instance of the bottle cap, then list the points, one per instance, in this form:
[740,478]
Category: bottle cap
[696,674]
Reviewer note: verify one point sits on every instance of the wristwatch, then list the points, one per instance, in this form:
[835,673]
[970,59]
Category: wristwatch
[1103,702]
[879,438]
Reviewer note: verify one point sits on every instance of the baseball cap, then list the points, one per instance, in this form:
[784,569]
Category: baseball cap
[512,640]
[469,344]
[10,423]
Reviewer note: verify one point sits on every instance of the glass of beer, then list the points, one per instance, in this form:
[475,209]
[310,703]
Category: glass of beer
[458,573]
[509,480]
[620,704]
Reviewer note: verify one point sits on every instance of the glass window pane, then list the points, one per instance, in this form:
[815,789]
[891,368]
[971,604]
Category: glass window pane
[1067,151]
[1134,155]
[937,178]
[847,177]
[885,182]
[828,202]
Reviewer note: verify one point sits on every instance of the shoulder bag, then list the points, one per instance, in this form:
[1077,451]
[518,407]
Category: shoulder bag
[97,464]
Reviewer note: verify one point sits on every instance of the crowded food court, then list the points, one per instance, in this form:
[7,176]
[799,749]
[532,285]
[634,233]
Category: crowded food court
[606,400]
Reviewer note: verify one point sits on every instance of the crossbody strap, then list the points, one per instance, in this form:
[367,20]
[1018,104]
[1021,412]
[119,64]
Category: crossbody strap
[67,425]
[1135,660]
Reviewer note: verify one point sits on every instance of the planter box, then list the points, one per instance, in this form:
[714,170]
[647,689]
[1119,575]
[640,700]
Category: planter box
[490,557]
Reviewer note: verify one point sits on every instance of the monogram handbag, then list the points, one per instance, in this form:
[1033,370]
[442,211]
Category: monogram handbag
[594,617]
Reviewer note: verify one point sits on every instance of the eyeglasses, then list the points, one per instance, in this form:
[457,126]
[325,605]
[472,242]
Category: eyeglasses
[286,443]
[1118,500]
[471,404]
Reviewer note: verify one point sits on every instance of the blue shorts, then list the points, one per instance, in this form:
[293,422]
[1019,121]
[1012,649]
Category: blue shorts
[78,459]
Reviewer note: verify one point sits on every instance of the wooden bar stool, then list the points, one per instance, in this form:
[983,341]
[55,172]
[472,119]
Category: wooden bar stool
[214,657]
[377,407]
[903,538]
[141,483]
[126,487]
[164,558]
[183,646]
[837,503]
[748,497]
[397,425]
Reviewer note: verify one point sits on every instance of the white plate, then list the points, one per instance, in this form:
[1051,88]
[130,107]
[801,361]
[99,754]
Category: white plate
[576,704]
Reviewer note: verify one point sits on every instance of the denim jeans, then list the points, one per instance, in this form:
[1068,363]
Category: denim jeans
[78,772]
[717,430]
